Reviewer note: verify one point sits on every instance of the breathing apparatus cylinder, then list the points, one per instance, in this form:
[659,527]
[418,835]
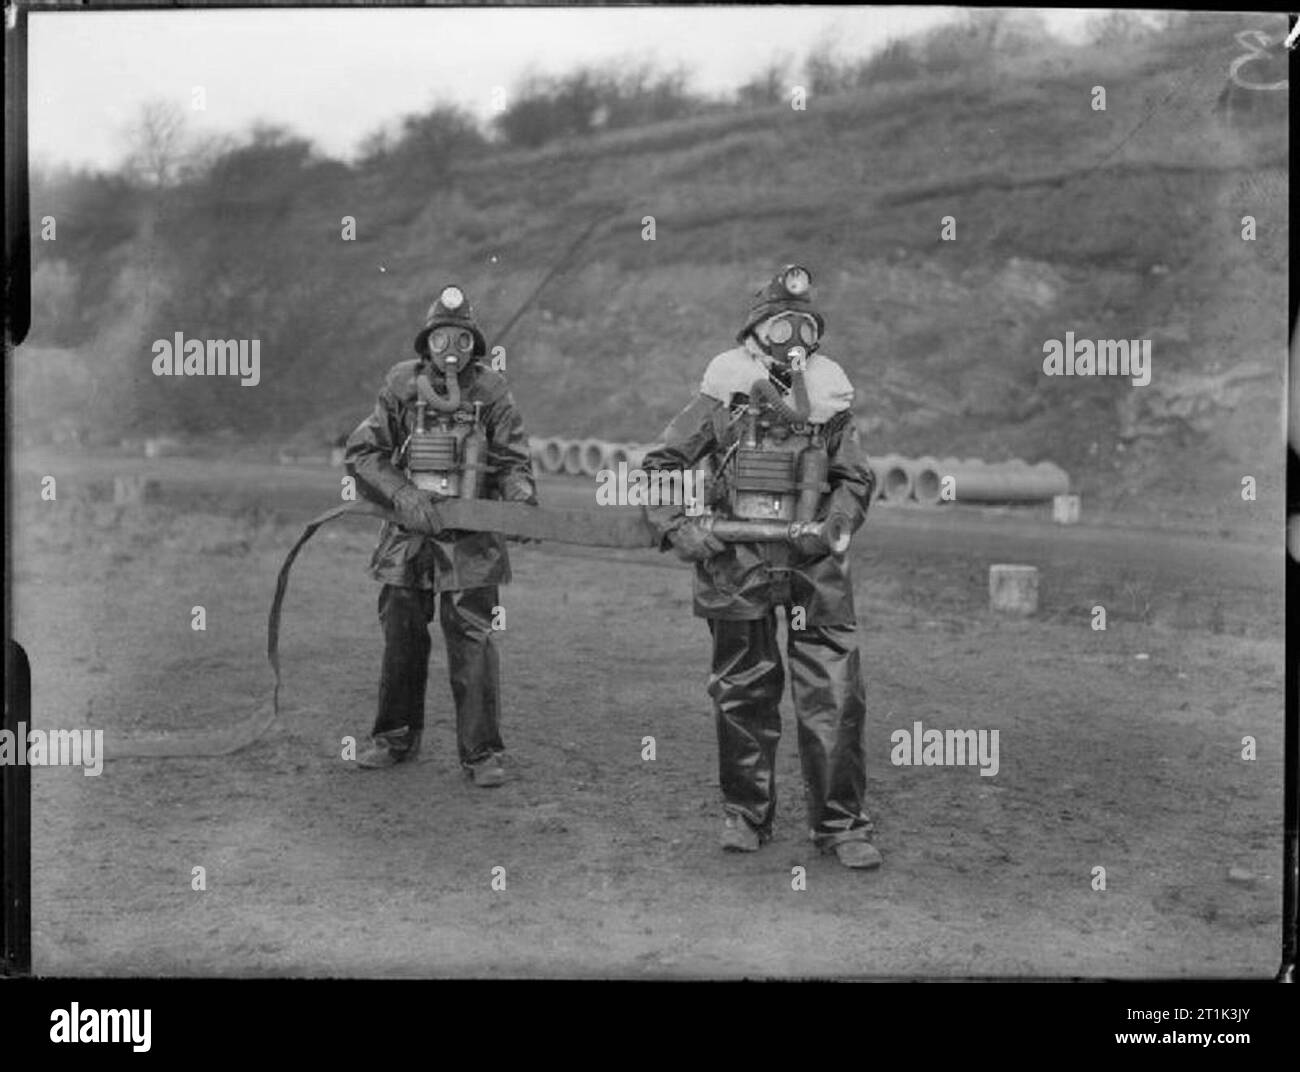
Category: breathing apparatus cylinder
[473,458]
[814,464]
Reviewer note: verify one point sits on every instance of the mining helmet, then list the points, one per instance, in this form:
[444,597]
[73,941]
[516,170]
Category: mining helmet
[451,309]
[788,292]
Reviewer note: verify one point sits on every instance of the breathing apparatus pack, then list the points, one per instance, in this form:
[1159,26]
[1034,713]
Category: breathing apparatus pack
[446,453]
[773,473]
[772,478]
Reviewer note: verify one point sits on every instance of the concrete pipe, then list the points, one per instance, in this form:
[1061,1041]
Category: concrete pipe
[895,475]
[1049,479]
[614,454]
[591,456]
[952,473]
[927,480]
[1010,482]
[967,476]
[572,457]
[551,458]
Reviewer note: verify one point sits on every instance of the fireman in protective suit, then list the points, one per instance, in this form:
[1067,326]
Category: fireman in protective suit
[445,425]
[760,406]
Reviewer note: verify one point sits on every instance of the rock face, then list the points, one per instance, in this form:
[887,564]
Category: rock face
[1188,403]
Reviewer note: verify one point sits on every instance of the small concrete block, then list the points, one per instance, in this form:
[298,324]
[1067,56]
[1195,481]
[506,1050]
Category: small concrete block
[1065,509]
[1013,589]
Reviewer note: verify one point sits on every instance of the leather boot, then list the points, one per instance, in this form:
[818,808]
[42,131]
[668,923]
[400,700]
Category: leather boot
[390,748]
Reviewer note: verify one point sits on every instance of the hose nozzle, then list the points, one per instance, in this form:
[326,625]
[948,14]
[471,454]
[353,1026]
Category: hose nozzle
[833,533]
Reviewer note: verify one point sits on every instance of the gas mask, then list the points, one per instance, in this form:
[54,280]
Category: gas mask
[789,339]
[450,347]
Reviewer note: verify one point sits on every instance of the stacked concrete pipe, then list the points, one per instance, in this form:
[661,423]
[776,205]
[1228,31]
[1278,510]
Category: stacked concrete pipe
[893,478]
[616,453]
[584,457]
[898,478]
[976,481]
[572,463]
[1015,482]
[549,453]
[927,480]
[591,456]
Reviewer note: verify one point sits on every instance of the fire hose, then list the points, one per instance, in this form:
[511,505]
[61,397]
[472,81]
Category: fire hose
[626,529]
[607,529]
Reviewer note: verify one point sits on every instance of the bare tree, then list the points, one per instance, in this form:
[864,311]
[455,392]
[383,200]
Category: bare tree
[157,143]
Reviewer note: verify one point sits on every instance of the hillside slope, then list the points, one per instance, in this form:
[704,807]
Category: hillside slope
[1123,223]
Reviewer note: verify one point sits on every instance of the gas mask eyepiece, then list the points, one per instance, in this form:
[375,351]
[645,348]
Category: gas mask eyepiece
[789,338]
[783,328]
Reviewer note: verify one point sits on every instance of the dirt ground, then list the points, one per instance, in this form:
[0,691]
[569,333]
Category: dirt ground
[316,868]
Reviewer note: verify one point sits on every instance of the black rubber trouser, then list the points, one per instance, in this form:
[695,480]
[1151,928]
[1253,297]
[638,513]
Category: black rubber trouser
[472,664]
[830,705]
